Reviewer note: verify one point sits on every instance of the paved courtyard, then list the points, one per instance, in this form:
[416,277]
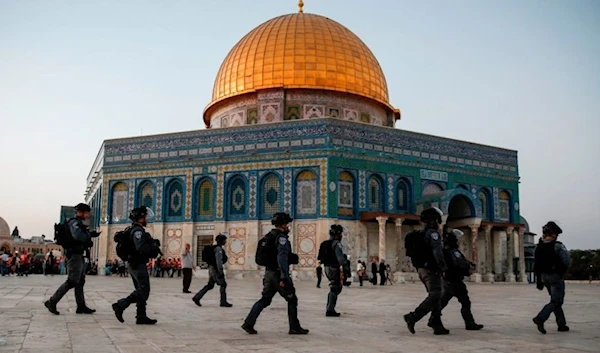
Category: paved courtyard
[371,320]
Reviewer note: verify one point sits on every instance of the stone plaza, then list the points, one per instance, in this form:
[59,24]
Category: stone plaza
[371,320]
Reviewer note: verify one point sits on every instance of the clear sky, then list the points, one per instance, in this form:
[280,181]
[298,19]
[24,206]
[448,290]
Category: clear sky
[522,75]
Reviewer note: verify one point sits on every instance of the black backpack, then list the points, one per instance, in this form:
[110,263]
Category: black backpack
[62,234]
[125,246]
[208,255]
[327,254]
[416,249]
[266,251]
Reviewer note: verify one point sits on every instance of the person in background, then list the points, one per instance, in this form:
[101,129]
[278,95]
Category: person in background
[389,276]
[382,272]
[374,271]
[360,272]
[187,263]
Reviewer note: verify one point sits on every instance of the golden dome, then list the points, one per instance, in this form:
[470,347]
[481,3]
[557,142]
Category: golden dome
[300,50]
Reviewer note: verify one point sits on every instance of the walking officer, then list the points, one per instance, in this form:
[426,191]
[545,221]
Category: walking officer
[458,268]
[80,239]
[143,248]
[428,258]
[551,263]
[274,251]
[332,255]
[215,272]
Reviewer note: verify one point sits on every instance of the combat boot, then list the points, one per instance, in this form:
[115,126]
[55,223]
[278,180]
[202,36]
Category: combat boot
[51,307]
[249,329]
[332,314]
[298,331]
[145,320]
[226,305]
[85,310]
[563,328]
[118,312]
[440,330]
[473,326]
[540,324]
[410,322]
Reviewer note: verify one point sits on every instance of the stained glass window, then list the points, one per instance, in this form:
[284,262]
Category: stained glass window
[483,201]
[346,194]
[504,204]
[375,194]
[271,196]
[175,199]
[205,198]
[119,202]
[402,196]
[306,193]
[237,196]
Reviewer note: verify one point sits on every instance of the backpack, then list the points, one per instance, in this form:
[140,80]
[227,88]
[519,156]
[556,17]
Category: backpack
[327,254]
[62,234]
[416,249]
[208,255]
[125,246]
[266,251]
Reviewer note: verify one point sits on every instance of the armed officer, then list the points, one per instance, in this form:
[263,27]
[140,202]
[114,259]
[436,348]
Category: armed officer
[81,240]
[216,274]
[334,268]
[458,268]
[431,267]
[144,248]
[277,276]
[551,263]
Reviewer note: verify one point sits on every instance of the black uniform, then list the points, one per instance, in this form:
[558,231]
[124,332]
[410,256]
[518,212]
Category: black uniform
[145,248]
[453,285]
[275,273]
[319,270]
[430,274]
[82,239]
[215,276]
[332,271]
[551,263]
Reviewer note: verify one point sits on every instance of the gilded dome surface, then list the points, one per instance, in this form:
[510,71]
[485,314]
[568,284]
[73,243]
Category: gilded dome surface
[300,50]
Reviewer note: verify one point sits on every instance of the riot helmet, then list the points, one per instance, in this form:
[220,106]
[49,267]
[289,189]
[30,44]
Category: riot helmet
[431,215]
[221,239]
[281,218]
[140,212]
[82,207]
[336,230]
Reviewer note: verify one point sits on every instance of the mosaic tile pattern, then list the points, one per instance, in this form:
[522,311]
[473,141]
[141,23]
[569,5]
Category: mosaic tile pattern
[253,194]
[287,191]
[362,187]
[236,245]
[306,193]
[306,244]
[174,242]
[390,191]
[159,192]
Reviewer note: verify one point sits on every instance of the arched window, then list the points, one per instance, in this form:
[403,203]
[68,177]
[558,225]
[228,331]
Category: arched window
[205,198]
[306,193]
[145,195]
[375,197]
[119,203]
[237,197]
[504,204]
[432,188]
[484,202]
[271,196]
[346,194]
[175,200]
[402,195]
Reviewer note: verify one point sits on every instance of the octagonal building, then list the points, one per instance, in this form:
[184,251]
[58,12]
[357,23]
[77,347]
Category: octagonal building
[300,121]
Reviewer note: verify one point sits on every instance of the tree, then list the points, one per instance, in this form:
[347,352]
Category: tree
[585,263]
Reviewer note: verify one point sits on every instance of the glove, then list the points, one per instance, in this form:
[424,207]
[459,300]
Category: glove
[95,234]
[540,285]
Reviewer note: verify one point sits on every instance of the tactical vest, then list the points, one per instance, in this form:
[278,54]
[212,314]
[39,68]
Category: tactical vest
[547,259]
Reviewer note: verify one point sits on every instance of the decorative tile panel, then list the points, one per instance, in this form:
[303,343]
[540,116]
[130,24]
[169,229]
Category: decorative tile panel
[287,191]
[174,240]
[252,117]
[313,111]
[238,118]
[236,244]
[292,112]
[253,193]
[350,114]
[362,187]
[270,113]
[306,244]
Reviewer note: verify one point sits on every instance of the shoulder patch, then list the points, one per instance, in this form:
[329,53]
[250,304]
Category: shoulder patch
[282,240]
[457,253]
[138,234]
[435,236]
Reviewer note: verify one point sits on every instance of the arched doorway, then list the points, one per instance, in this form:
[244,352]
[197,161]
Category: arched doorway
[460,207]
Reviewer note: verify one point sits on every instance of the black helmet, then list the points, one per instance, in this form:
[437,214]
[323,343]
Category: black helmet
[432,214]
[83,207]
[221,238]
[551,228]
[281,218]
[336,229]
[138,213]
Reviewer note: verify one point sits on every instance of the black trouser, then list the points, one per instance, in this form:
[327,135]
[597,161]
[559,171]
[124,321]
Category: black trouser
[433,283]
[187,279]
[319,278]
[335,286]
[360,279]
[457,288]
[270,288]
[555,285]
[141,283]
[374,279]
[75,279]
[383,278]
[213,278]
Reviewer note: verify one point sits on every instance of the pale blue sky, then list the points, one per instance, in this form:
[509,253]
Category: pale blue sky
[522,75]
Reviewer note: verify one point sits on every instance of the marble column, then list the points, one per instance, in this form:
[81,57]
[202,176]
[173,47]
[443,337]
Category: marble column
[509,276]
[476,276]
[489,262]
[522,274]
[382,221]
[399,244]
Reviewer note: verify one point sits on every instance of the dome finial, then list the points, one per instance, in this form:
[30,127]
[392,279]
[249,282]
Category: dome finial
[300,6]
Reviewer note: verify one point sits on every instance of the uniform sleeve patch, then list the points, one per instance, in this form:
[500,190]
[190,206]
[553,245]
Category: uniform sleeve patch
[282,240]
[138,235]
[457,254]
[435,236]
